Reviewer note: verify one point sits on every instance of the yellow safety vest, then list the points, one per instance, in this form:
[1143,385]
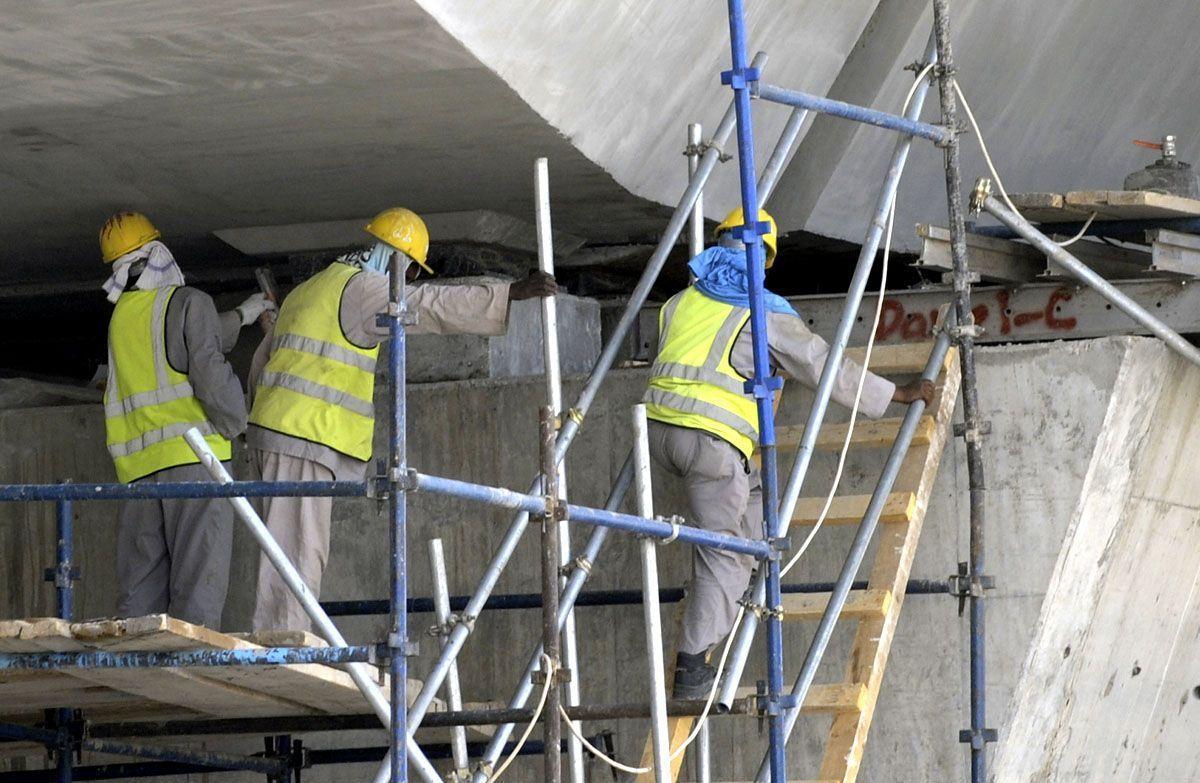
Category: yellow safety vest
[318,385]
[693,383]
[148,404]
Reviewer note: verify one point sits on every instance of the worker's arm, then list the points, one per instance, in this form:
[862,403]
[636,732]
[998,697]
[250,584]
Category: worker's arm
[232,321]
[202,360]
[230,326]
[802,355]
[440,309]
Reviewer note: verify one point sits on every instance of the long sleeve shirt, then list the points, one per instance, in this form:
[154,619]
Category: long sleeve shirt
[480,309]
[197,341]
[801,354]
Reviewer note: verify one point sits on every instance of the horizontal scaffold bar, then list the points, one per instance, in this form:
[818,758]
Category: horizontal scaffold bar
[849,111]
[667,595]
[265,656]
[182,489]
[534,504]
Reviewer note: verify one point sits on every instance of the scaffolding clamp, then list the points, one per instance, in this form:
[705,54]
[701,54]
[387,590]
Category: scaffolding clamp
[981,193]
[397,642]
[579,563]
[977,738]
[676,522]
[973,434]
[62,575]
[396,310]
[964,585]
[561,676]
[445,629]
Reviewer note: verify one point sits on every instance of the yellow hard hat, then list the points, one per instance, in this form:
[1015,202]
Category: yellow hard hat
[125,232]
[735,219]
[404,230]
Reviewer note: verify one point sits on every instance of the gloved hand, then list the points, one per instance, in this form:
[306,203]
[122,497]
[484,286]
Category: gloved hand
[254,306]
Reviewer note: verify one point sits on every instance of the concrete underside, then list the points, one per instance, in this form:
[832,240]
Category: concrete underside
[231,114]
[1048,405]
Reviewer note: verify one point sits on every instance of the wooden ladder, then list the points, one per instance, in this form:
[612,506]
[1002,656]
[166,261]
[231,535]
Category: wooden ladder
[875,610]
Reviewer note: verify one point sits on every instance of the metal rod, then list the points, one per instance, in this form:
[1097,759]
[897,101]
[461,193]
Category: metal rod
[535,504]
[970,391]
[651,612]
[763,383]
[858,549]
[64,600]
[829,373]
[580,569]
[703,755]
[695,237]
[554,398]
[397,640]
[783,148]
[1069,263]
[551,567]
[362,674]
[516,601]
[267,656]
[441,598]
[849,111]
[577,412]
[181,489]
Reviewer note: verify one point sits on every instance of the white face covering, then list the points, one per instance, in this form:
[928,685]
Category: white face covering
[161,271]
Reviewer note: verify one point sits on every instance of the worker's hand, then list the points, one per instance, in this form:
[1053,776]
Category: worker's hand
[917,390]
[254,306]
[537,284]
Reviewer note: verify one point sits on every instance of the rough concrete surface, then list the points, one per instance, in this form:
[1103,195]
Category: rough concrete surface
[1046,402]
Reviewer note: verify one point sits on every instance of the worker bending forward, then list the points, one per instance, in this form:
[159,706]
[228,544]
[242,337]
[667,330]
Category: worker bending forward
[166,374]
[704,426]
[313,417]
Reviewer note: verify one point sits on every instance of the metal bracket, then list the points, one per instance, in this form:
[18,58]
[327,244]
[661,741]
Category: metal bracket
[411,649]
[975,434]
[444,629]
[580,563]
[676,522]
[766,706]
[62,575]
[561,676]
[740,78]
[977,738]
[964,585]
[981,193]
[765,389]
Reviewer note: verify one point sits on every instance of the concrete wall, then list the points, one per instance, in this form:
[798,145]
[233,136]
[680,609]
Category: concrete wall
[1045,402]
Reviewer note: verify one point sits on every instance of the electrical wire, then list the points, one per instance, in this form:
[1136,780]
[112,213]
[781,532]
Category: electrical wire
[987,158]
[548,668]
[862,377]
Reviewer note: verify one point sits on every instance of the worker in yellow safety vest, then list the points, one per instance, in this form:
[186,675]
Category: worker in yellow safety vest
[312,416]
[704,426]
[166,374]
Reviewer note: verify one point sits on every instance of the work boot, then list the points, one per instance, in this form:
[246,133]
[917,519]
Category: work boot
[693,676]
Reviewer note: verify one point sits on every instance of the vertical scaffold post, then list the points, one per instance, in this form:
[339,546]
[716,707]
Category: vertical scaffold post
[554,398]
[552,738]
[978,735]
[763,385]
[441,605]
[65,607]
[695,237]
[651,612]
[397,641]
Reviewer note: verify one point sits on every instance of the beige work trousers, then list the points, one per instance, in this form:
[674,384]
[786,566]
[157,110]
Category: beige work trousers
[724,496]
[301,528]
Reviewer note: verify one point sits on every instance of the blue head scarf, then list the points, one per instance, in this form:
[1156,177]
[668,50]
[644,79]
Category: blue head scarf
[721,274]
[377,258]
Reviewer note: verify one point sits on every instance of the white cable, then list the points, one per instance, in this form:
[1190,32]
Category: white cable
[987,158]
[677,752]
[862,377]
[548,670]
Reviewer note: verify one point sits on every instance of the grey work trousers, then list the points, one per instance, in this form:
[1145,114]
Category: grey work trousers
[173,554]
[301,528]
[725,496]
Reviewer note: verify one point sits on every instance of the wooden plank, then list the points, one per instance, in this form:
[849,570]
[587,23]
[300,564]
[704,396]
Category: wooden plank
[860,605]
[1131,204]
[894,358]
[893,564]
[833,698]
[849,509]
[868,434]
[993,259]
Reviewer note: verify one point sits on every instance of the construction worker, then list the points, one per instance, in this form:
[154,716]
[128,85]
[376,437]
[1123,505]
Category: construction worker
[704,427]
[167,373]
[312,417]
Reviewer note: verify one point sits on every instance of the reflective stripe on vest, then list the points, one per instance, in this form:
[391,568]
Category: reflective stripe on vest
[317,385]
[693,384]
[148,405]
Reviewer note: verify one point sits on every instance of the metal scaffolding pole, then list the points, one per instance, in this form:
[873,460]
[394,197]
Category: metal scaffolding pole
[833,361]
[973,427]
[551,567]
[651,612]
[441,597]
[763,384]
[554,398]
